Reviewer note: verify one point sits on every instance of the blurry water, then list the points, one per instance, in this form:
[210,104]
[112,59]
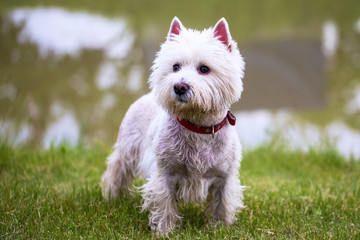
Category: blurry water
[330,39]
[259,126]
[65,128]
[61,32]
[71,76]
[80,61]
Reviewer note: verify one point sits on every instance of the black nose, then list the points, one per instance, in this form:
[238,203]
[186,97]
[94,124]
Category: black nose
[181,88]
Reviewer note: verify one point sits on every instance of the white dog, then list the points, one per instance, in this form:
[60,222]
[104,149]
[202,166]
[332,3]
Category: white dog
[179,137]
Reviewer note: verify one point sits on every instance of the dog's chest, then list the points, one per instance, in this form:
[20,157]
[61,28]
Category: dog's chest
[196,157]
[198,154]
[194,164]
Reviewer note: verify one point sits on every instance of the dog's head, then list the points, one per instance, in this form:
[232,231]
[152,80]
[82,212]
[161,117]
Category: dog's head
[197,73]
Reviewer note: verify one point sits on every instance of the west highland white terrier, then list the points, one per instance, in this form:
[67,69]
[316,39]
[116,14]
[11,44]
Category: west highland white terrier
[179,137]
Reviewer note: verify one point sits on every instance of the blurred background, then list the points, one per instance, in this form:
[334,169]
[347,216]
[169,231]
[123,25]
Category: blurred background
[70,69]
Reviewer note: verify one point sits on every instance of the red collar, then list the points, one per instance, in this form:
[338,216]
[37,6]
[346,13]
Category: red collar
[208,130]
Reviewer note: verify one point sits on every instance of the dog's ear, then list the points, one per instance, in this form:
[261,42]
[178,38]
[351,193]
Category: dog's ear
[175,28]
[222,33]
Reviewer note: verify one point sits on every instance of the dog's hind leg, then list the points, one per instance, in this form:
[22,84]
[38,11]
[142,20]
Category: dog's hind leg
[119,173]
[123,163]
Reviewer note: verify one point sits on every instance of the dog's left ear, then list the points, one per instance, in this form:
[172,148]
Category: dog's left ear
[222,33]
[175,28]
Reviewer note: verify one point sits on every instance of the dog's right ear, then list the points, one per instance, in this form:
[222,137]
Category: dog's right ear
[221,32]
[175,28]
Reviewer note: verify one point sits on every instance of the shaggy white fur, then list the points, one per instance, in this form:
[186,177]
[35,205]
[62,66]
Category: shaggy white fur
[196,76]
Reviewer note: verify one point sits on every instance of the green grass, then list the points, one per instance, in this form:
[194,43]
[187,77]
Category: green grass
[292,195]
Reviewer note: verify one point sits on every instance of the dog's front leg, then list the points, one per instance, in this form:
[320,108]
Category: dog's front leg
[226,198]
[159,198]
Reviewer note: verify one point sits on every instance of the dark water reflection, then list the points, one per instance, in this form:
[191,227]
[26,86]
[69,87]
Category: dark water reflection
[284,74]
[72,75]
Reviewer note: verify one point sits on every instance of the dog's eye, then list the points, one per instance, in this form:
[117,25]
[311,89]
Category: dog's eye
[176,67]
[204,69]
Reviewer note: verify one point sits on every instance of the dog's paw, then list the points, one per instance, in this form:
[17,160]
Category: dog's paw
[161,232]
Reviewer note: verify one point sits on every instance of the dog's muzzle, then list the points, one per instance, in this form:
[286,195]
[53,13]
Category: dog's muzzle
[180,90]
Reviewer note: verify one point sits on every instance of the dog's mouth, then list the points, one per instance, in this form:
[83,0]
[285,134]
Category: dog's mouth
[181,99]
